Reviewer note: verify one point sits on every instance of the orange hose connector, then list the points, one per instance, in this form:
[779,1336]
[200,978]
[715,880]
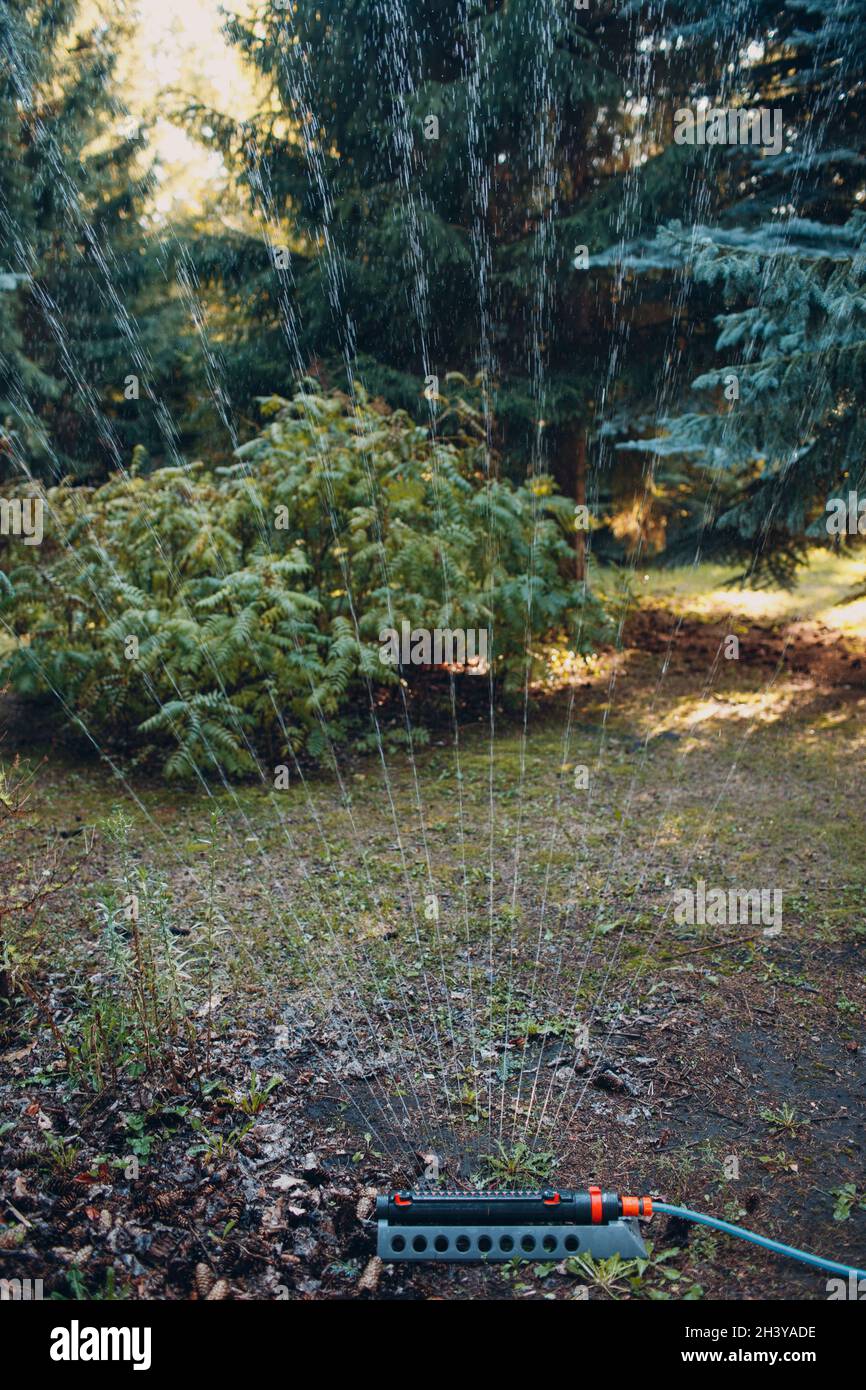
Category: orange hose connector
[637,1206]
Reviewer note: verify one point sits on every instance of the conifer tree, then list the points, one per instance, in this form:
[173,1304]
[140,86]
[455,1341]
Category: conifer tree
[434,171]
[75,264]
[778,430]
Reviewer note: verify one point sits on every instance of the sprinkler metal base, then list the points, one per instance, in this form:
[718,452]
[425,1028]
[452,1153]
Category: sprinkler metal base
[459,1243]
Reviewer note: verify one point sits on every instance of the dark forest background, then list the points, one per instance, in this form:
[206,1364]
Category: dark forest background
[473,220]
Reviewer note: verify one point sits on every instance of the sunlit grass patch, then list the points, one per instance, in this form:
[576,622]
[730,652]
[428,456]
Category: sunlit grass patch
[822,592]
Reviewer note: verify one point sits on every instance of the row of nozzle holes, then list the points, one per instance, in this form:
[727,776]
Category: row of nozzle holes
[528,1243]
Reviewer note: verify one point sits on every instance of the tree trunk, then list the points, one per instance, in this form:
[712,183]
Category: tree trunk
[580,501]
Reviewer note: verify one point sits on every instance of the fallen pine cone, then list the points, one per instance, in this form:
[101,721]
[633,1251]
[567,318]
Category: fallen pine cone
[366,1204]
[609,1081]
[369,1280]
[163,1202]
[204,1280]
[20,1158]
[61,1183]
[219,1291]
[162,1246]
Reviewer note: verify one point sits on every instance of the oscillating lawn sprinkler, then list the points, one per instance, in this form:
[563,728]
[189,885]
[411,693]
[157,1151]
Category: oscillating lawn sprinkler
[491,1225]
[548,1224]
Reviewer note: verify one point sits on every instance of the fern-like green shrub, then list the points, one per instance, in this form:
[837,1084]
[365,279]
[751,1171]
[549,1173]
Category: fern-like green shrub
[216,617]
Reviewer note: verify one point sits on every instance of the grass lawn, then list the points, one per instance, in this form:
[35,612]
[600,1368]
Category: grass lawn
[251,1009]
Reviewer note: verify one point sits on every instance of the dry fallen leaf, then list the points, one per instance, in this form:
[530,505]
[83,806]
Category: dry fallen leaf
[210,1006]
